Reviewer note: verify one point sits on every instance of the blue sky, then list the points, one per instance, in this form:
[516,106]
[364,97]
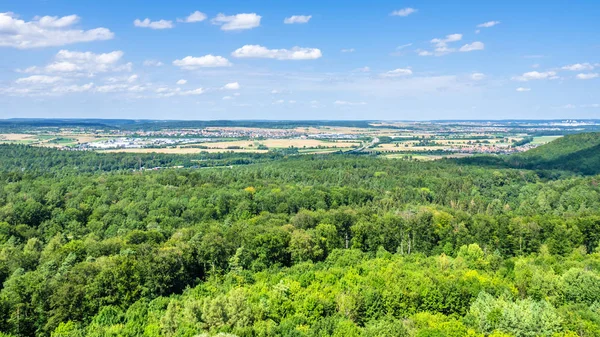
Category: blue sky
[394,60]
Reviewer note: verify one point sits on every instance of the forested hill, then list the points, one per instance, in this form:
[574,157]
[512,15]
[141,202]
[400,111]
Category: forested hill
[577,153]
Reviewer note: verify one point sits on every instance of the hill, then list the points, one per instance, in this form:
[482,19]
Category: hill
[579,153]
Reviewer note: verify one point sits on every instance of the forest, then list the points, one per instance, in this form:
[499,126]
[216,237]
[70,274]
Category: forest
[279,244]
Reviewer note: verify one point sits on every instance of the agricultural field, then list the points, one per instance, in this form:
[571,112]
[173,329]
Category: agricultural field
[544,139]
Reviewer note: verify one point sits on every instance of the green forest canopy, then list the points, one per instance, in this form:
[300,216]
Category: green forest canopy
[296,246]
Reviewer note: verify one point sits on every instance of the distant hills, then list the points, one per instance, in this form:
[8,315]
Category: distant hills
[577,153]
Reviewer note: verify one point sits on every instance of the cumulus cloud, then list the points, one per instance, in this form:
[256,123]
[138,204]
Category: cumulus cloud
[536,75]
[477,45]
[181,82]
[73,88]
[46,31]
[404,12]
[75,63]
[297,19]
[348,103]
[160,24]
[198,91]
[441,45]
[522,89]
[477,76]
[206,61]
[63,67]
[232,86]
[488,24]
[296,53]
[587,76]
[38,79]
[578,67]
[197,16]
[397,72]
[238,21]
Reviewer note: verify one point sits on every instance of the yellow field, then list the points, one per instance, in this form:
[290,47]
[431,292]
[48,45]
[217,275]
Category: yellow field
[16,136]
[281,143]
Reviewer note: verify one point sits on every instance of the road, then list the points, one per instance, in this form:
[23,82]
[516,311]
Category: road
[362,148]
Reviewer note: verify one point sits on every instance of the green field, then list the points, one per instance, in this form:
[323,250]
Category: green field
[544,139]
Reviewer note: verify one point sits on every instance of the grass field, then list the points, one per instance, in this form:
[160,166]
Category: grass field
[544,139]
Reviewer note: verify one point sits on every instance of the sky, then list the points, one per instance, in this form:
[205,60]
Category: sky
[283,60]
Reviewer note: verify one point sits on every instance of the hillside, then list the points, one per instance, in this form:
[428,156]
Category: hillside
[579,153]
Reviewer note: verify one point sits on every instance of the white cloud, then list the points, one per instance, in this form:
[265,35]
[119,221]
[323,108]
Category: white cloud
[181,82]
[296,53]
[363,70]
[297,19]
[160,24]
[206,61]
[578,67]
[198,91]
[477,45]
[62,67]
[397,72]
[568,106]
[404,46]
[197,16]
[595,105]
[153,63]
[587,76]
[46,31]
[84,63]
[477,76]
[132,78]
[488,24]
[76,56]
[404,12]
[38,79]
[238,21]
[168,92]
[73,88]
[348,50]
[56,22]
[225,98]
[348,103]
[441,45]
[232,86]
[536,75]
[522,89]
